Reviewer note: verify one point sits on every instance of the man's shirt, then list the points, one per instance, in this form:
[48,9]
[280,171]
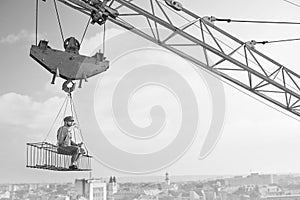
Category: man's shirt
[64,135]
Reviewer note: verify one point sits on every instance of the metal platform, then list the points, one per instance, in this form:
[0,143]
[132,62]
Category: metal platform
[44,155]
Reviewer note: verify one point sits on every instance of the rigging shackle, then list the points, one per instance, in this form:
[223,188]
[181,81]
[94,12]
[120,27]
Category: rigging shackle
[174,4]
[68,86]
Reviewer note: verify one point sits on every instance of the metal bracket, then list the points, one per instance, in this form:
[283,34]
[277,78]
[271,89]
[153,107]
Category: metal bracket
[210,19]
[103,11]
[174,4]
[251,44]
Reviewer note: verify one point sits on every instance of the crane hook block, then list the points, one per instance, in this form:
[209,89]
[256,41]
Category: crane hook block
[68,64]
[174,4]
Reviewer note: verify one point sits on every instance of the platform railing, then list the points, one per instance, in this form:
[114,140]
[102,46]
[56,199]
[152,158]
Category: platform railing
[44,155]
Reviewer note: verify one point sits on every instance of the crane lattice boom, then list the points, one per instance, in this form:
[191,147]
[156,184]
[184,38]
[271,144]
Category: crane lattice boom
[170,25]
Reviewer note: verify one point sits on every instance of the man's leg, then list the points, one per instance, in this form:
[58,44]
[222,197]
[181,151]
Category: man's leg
[75,154]
[73,151]
[80,151]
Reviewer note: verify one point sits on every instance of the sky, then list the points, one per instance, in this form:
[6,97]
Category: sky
[254,137]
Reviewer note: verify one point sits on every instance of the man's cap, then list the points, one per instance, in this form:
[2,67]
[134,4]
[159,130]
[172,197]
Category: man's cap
[69,119]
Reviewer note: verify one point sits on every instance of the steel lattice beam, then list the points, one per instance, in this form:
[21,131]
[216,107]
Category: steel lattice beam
[218,51]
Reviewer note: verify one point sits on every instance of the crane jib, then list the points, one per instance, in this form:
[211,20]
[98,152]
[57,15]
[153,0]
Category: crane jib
[265,77]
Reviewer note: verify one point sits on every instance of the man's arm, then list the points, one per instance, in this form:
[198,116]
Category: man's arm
[60,136]
[75,126]
[73,143]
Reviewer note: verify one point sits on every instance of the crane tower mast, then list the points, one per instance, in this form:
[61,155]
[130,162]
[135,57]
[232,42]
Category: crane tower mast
[170,25]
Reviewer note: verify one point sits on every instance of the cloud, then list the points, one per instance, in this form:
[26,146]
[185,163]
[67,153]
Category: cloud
[22,110]
[55,89]
[23,35]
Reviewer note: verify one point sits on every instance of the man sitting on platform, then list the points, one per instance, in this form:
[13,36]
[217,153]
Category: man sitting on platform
[65,143]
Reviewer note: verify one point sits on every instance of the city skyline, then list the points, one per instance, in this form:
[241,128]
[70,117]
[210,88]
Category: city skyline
[254,186]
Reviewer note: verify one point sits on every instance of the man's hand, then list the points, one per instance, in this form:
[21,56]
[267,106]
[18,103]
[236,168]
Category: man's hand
[74,125]
[80,144]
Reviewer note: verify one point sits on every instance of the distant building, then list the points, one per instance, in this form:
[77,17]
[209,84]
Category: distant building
[5,195]
[59,197]
[282,197]
[252,179]
[19,187]
[270,190]
[146,197]
[112,187]
[91,189]
[33,186]
[292,191]
[4,188]
[209,192]
[167,185]
[191,195]
[152,190]
[250,188]
[194,196]
[125,195]
[167,179]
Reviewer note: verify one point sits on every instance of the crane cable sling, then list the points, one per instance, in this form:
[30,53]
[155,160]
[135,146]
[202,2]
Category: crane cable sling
[72,113]
[60,26]
[103,42]
[65,111]
[85,30]
[68,100]
[36,20]
[77,119]
[65,101]
[94,157]
[58,19]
